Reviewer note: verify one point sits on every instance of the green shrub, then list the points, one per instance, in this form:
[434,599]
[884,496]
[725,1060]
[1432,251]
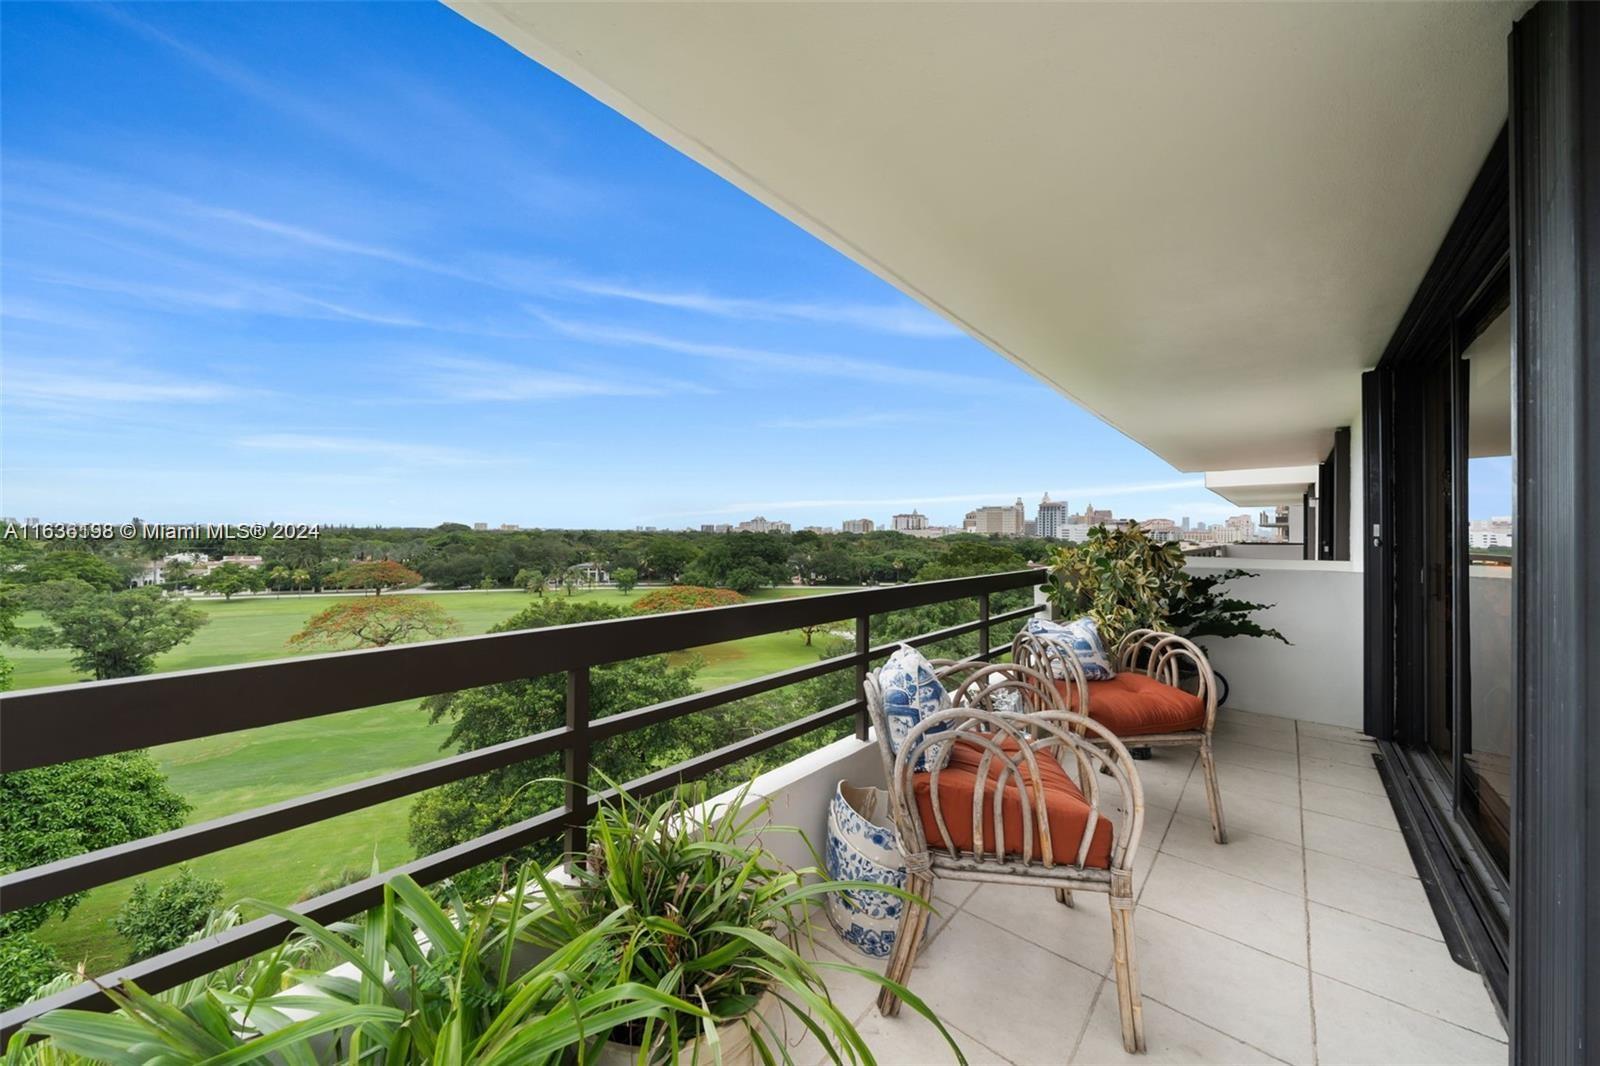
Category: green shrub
[163,918]
[25,964]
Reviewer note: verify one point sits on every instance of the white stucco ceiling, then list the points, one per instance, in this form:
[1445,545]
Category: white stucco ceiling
[1198,221]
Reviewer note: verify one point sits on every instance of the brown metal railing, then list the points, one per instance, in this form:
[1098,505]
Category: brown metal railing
[45,726]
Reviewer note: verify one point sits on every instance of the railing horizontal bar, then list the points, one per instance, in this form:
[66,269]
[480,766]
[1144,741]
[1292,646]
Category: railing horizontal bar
[206,956]
[924,639]
[627,721]
[64,722]
[42,883]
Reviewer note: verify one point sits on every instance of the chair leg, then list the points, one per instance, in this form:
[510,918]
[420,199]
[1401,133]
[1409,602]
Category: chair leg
[1127,974]
[1208,766]
[913,923]
[1064,897]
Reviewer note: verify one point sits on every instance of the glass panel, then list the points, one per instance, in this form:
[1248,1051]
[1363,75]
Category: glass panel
[1491,647]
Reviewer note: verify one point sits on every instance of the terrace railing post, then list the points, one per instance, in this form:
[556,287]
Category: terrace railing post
[575,767]
[863,643]
[983,625]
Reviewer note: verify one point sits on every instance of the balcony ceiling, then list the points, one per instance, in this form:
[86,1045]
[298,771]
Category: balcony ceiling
[1197,221]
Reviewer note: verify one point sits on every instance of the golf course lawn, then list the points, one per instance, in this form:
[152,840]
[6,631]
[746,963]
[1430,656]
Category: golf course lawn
[238,771]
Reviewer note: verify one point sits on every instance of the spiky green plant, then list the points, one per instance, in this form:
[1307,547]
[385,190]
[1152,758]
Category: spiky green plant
[428,983]
[713,917]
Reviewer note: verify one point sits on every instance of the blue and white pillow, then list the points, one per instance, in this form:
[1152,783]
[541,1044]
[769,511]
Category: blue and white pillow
[911,693]
[1083,638]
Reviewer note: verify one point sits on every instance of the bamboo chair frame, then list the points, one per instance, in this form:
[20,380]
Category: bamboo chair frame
[1041,724]
[1159,656]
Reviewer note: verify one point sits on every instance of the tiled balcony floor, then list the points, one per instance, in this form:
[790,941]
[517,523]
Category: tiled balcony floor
[1305,939]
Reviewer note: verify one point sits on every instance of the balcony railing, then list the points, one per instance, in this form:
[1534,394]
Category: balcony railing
[55,725]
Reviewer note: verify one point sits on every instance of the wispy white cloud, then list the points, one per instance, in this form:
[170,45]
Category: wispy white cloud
[861,420]
[489,381]
[1095,492]
[321,240]
[823,365]
[232,294]
[361,447]
[60,384]
[906,320]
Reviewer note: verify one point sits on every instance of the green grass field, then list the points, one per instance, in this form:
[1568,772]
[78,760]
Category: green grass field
[238,771]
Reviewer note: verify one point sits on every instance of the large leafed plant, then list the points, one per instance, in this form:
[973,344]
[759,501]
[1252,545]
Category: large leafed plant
[1125,580]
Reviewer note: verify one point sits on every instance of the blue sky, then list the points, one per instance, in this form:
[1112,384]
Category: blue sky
[351,263]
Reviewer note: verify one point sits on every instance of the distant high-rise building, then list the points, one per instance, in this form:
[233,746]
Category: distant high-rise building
[1091,516]
[1051,524]
[998,521]
[858,525]
[906,523]
[716,527]
[480,525]
[1184,525]
[1245,524]
[761,524]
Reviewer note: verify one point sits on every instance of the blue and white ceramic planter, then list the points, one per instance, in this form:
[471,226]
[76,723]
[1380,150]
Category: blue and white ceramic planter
[863,847]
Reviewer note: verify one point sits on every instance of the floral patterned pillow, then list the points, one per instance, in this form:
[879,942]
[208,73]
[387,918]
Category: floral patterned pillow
[911,693]
[1082,637]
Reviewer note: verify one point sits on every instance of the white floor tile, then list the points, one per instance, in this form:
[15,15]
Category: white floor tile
[1356,1028]
[1255,997]
[1400,966]
[1382,895]
[1233,777]
[1018,996]
[1343,774]
[1333,732]
[1235,716]
[1356,754]
[1262,917]
[1233,753]
[1256,736]
[1081,933]
[1251,856]
[1385,848]
[1169,1037]
[911,1040]
[1281,821]
[1348,803]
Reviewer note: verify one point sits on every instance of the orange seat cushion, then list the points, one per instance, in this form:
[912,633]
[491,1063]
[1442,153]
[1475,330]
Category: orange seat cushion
[1066,809]
[1133,705]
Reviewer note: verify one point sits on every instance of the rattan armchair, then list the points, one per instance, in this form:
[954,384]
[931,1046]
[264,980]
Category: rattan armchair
[997,804]
[1175,664]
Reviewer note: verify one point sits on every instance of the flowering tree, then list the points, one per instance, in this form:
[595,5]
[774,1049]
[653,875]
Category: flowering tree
[374,623]
[377,576]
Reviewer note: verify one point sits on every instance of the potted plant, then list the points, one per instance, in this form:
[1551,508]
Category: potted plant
[1124,580]
[712,917]
[416,981]
[672,941]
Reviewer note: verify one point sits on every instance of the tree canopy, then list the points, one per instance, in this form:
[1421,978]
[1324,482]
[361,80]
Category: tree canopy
[230,578]
[54,812]
[110,634]
[374,623]
[377,576]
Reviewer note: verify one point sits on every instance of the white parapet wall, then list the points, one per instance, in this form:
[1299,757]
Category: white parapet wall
[1317,605]
[799,793]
